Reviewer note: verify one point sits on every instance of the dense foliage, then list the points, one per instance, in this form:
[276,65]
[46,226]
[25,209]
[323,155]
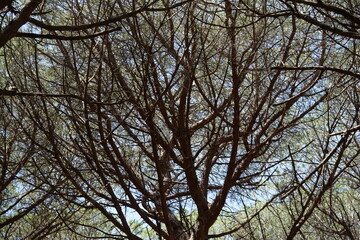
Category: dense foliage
[179,119]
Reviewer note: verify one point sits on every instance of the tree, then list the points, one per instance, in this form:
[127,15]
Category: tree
[168,117]
[14,23]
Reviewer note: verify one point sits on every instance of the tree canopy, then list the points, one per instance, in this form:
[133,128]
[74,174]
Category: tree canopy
[169,119]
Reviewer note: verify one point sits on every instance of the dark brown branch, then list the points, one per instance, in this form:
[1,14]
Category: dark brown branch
[11,29]
[4,92]
[348,15]
[326,27]
[113,20]
[5,3]
[61,37]
[338,70]
[353,129]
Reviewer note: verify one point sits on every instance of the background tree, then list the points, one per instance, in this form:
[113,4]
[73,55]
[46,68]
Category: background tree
[169,118]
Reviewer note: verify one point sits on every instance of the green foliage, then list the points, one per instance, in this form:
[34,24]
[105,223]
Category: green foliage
[179,120]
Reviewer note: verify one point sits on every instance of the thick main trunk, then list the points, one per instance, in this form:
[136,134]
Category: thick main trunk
[200,232]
